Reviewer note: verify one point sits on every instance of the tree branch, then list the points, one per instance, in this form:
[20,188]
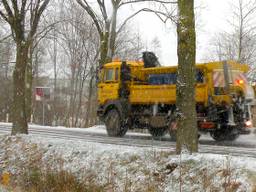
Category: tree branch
[15,8]
[4,17]
[37,14]
[161,14]
[7,37]
[140,1]
[127,19]
[90,11]
[103,9]
[8,10]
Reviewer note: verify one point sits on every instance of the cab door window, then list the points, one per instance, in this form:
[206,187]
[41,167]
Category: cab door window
[199,76]
[109,75]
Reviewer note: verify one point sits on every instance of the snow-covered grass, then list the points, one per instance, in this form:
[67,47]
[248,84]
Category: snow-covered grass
[35,161]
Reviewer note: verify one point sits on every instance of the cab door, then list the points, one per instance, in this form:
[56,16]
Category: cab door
[109,85]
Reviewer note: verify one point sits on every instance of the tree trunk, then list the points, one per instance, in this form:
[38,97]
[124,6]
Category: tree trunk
[77,76]
[241,34]
[19,108]
[187,134]
[104,49]
[28,85]
[81,90]
[88,119]
[70,113]
[112,35]
[55,78]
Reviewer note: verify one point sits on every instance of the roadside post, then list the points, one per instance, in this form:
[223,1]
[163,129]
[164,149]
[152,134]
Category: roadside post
[7,117]
[43,94]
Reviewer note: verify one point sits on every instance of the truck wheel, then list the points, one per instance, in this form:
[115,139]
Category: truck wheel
[157,132]
[114,125]
[225,134]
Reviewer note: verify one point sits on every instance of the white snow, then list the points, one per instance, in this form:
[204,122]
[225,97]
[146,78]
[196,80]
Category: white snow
[3,189]
[144,168]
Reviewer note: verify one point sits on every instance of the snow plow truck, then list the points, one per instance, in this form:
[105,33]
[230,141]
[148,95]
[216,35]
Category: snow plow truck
[142,94]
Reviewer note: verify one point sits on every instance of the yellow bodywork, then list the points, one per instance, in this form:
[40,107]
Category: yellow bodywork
[143,93]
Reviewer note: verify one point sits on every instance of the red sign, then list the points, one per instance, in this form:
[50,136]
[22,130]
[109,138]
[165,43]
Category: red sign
[42,93]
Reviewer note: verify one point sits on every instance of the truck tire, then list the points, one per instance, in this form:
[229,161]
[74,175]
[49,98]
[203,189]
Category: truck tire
[114,125]
[225,134]
[157,132]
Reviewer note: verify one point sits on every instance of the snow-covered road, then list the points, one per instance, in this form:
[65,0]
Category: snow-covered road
[245,145]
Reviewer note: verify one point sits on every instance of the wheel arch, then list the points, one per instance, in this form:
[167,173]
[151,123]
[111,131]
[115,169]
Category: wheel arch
[112,105]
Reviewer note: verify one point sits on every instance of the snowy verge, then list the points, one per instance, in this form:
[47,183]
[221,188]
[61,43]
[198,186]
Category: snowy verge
[123,167]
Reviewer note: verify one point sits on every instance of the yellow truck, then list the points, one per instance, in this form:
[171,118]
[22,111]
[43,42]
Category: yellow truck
[131,95]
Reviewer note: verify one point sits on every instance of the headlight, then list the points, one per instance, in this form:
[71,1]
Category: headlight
[248,123]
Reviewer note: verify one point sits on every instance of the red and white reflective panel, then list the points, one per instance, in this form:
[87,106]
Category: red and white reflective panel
[237,77]
[218,79]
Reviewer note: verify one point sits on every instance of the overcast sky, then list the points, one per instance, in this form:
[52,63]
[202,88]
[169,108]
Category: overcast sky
[213,18]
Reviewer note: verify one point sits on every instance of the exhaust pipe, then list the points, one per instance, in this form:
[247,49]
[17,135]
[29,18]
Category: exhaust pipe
[231,120]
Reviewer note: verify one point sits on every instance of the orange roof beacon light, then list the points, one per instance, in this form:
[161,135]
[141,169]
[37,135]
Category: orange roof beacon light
[116,59]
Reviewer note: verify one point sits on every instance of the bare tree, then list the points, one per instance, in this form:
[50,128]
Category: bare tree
[243,13]
[6,47]
[129,45]
[80,43]
[187,138]
[18,17]
[102,24]
[107,25]
[240,42]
